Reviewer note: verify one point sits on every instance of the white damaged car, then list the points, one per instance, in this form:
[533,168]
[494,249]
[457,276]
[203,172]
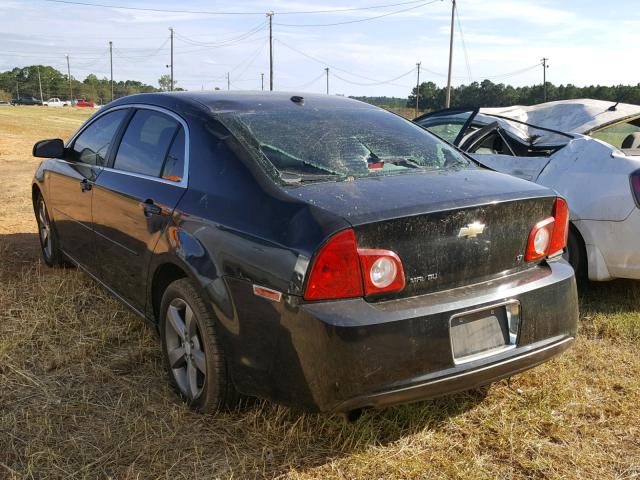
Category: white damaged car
[586,150]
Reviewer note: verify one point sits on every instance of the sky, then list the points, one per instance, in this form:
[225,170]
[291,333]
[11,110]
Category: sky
[587,42]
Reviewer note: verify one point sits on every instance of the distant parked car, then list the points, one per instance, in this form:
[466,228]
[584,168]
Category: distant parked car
[27,101]
[586,150]
[317,251]
[84,103]
[4,103]
[56,102]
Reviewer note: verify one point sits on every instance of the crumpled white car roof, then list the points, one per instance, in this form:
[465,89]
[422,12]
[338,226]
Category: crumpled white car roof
[571,116]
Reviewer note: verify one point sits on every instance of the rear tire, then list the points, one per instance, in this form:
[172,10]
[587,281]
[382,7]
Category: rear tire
[194,358]
[49,244]
[576,254]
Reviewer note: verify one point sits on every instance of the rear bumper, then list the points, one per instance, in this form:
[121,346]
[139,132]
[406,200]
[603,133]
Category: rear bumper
[468,377]
[342,355]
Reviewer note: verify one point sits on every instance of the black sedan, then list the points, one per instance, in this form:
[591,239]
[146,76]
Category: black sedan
[315,250]
[27,101]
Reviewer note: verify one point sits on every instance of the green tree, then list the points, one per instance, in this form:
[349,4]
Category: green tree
[165,83]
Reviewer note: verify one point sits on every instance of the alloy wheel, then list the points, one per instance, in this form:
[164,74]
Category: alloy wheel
[185,351]
[44,229]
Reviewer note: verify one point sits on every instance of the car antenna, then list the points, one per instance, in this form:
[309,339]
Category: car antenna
[613,108]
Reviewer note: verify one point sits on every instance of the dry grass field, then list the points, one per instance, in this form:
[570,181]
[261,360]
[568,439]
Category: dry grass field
[83,393]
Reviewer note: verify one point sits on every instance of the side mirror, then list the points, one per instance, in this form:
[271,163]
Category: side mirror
[53,148]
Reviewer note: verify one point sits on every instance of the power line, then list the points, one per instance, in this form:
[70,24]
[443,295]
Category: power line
[464,45]
[306,84]
[148,55]
[208,12]
[346,22]
[224,42]
[326,64]
[249,61]
[514,73]
[382,82]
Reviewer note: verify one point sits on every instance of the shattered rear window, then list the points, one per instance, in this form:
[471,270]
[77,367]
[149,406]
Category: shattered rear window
[316,144]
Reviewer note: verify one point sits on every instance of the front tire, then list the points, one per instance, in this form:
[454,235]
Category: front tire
[194,358]
[49,245]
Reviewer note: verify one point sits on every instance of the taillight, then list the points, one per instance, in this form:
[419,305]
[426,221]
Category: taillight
[539,240]
[549,236]
[561,227]
[382,271]
[635,186]
[336,270]
[341,270]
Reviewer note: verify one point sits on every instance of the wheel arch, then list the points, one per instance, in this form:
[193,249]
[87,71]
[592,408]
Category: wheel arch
[583,246]
[36,192]
[164,275]
[168,268]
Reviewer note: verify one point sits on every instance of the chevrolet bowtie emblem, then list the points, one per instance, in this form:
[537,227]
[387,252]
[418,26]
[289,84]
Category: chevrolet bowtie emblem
[472,230]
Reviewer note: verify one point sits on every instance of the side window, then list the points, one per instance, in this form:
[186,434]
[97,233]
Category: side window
[447,125]
[621,136]
[92,145]
[174,164]
[145,143]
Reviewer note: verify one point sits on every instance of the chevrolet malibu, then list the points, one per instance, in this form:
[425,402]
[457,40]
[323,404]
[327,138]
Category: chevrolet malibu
[316,251]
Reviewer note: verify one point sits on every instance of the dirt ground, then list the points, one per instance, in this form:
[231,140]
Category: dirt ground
[83,393]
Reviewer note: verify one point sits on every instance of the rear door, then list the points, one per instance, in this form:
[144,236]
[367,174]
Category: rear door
[134,198]
[71,186]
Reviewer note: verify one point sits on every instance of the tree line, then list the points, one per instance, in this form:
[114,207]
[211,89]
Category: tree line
[23,82]
[489,94]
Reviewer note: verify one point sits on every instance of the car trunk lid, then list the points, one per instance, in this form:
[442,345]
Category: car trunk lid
[449,229]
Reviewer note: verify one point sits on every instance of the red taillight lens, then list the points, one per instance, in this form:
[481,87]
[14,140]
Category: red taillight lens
[539,240]
[381,270]
[635,186]
[341,270]
[336,270]
[561,227]
[550,235]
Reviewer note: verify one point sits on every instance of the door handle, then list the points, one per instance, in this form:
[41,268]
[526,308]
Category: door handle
[150,208]
[85,185]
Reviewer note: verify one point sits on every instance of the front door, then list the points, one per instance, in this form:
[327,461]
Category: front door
[133,201]
[71,187]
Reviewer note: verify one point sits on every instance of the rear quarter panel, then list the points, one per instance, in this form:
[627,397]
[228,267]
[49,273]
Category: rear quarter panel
[594,178]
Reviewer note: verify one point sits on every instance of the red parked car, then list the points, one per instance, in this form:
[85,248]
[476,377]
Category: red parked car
[84,103]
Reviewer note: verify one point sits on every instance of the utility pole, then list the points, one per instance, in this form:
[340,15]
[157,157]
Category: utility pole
[171,87]
[111,65]
[69,75]
[270,15]
[417,89]
[544,76]
[228,82]
[453,14]
[262,80]
[327,70]
[17,90]
[40,85]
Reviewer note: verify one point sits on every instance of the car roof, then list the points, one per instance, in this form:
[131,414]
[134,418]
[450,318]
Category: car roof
[573,116]
[217,102]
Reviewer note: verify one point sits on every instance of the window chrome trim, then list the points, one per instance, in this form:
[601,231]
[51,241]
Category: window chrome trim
[184,182]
